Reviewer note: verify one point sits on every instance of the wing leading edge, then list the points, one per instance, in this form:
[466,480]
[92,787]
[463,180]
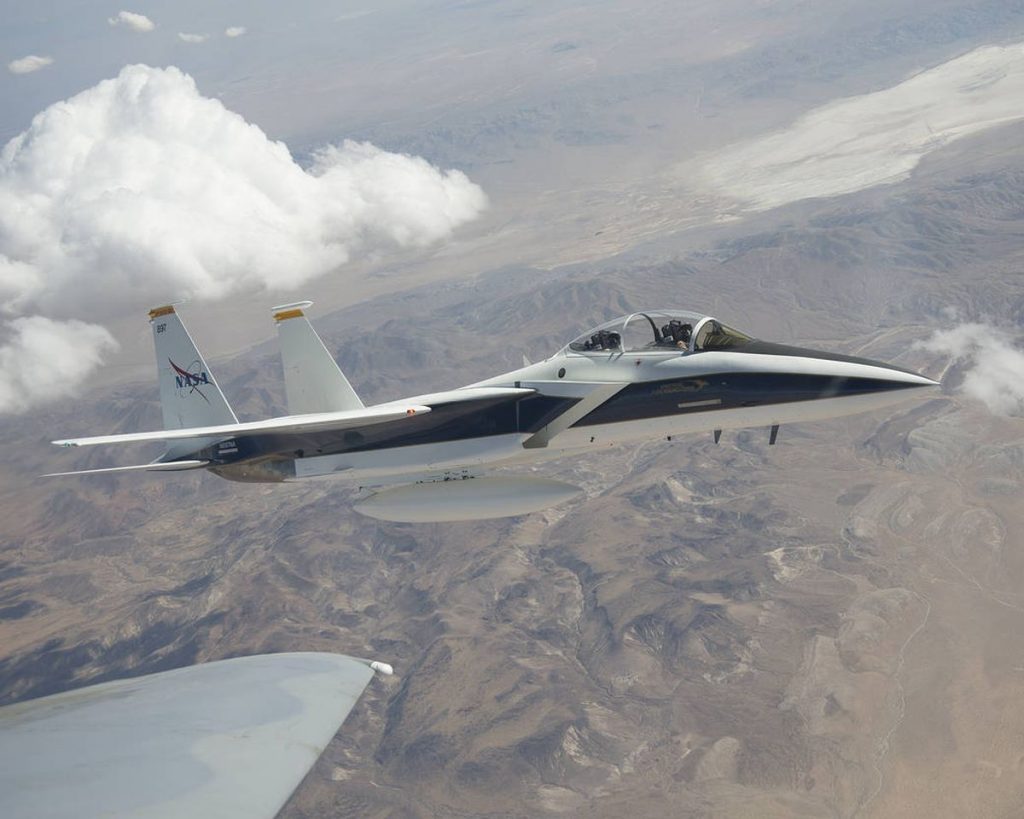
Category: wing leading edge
[318,422]
[225,739]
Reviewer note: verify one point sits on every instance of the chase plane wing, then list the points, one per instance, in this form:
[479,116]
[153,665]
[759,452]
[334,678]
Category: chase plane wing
[226,740]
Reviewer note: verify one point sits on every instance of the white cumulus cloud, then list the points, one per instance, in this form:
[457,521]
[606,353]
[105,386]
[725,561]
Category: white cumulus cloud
[26,65]
[129,19]
[193,38]
[234,31]
[42,359]
[140,189]
[995,364]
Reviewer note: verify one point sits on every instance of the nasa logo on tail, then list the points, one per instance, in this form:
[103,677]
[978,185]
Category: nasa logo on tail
[188,381]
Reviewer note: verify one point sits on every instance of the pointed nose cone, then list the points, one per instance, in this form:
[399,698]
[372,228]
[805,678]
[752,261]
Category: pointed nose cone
[887,383]
[894,385]
[850,384]
[916,380]
[886,376]
[898,377]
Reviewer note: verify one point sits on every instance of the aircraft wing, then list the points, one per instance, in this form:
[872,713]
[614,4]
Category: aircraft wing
[316,422]
[312,422]
[464,394]
[225,740]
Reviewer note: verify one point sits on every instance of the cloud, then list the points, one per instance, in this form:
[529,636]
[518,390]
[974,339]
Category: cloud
[193,38]
[44,359]
[872,139]
[995,365]
[234,31]
[136,22]
[140,190]
[26,65]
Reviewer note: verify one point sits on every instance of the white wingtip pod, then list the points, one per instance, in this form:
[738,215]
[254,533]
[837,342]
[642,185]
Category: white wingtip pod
[382,668]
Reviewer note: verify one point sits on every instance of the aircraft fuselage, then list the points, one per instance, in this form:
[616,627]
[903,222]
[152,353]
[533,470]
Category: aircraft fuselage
[645,395]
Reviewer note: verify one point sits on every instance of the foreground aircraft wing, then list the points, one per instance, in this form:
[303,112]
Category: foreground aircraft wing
[317,422]
[227,739]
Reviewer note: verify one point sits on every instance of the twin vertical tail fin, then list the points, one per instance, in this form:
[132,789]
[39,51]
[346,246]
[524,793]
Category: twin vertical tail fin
[197,416]
[189,394]
[313,382]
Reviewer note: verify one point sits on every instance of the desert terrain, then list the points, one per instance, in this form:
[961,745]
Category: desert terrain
[830,627]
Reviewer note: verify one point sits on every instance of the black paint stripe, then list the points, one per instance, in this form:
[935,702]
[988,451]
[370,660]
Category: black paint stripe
[758,347]
[478,418]
[657,399]
[483,418]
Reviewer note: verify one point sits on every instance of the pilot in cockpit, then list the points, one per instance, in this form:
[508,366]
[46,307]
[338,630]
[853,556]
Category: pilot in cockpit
[603,340]
[676,334]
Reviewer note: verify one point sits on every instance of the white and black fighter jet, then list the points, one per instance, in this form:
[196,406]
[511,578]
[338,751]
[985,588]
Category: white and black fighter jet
[651,374]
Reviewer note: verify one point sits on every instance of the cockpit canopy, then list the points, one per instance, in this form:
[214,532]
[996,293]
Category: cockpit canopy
[658,331]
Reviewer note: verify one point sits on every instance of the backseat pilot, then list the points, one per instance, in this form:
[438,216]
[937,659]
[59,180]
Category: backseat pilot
[677,334]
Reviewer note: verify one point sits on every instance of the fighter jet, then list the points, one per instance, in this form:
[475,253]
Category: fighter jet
[653,374]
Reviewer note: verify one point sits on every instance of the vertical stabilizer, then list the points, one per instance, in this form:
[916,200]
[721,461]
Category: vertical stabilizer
[313,382]
[189,393]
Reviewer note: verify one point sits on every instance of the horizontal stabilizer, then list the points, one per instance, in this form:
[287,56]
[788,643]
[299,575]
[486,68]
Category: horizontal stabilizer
[318,422]
[169,466]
